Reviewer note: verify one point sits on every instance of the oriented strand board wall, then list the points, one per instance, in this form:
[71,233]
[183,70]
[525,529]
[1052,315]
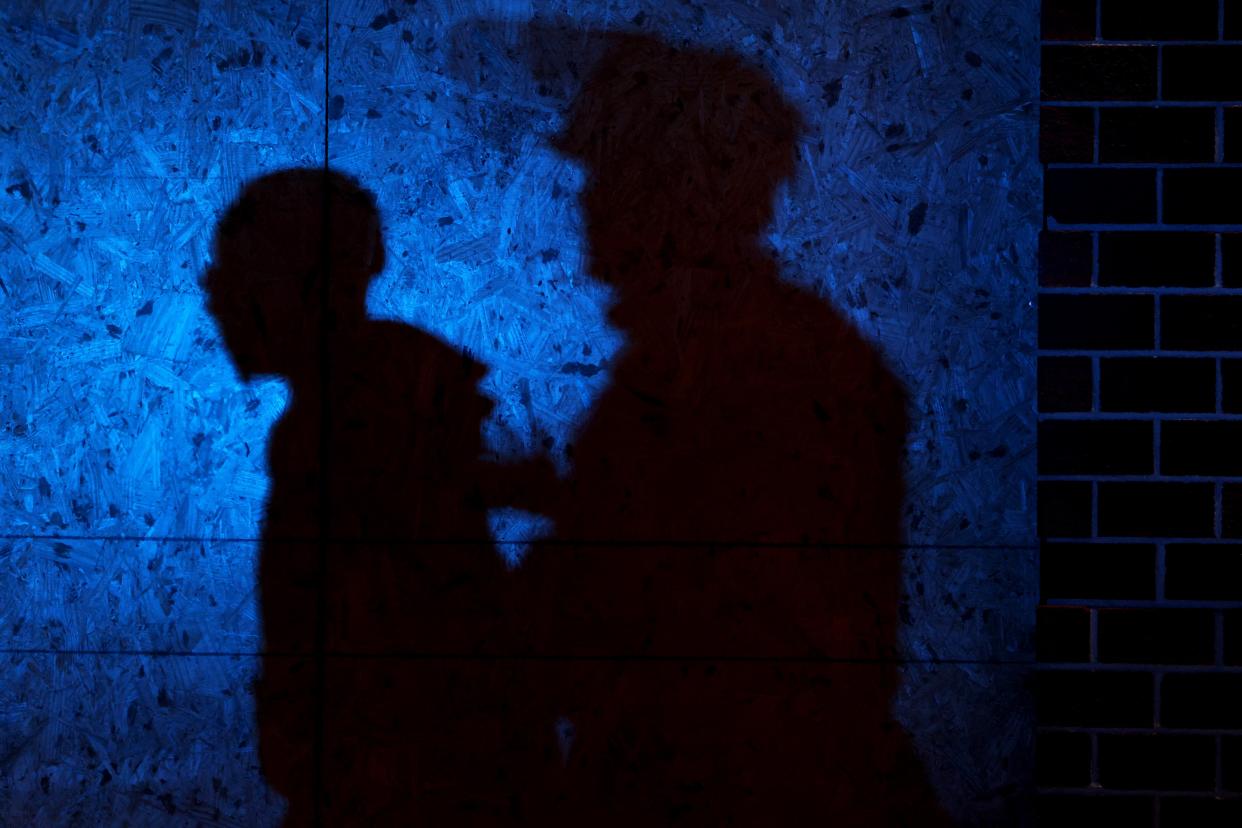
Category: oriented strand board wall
[125,129]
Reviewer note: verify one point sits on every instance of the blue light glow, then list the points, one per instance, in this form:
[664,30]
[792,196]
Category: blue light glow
[132,454]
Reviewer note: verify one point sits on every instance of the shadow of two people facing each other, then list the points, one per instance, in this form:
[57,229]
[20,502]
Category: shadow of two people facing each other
[708,636]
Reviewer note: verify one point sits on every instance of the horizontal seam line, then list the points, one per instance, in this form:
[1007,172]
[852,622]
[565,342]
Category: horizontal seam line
[423,656]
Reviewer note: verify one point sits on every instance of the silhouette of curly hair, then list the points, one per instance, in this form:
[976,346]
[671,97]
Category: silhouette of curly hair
[274,230]
[705,130]
[273,248]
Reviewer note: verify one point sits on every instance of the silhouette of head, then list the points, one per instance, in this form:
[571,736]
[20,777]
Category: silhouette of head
[684,150]
[292,241]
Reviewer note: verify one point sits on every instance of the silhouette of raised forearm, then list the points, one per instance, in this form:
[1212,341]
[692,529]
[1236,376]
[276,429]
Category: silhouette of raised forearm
[531,485]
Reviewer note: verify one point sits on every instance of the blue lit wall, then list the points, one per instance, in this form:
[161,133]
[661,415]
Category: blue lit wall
[132,455]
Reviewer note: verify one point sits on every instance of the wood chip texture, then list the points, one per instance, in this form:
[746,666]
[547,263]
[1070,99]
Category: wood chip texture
[132,455]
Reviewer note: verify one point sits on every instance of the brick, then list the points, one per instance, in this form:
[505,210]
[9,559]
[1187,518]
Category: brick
[1068,20]
[1233,637]
[1066,134]
[1157,762]
[1203,196]
[1198,572]
[1098,73]
[1233,134]
[1231,765]
[1202,73]
[1097,322]
[1233,20]
[1095,447]
[1174,510]
[1157,384]
[1062,634]
[1085,698]
[1231,260]
[1101,196]
[1201,323]
[1065,383]
[1156,636]
[1201,447]
[1064,259]
[1080,571]
[1155,20]
[1231,385]
[1145,134]
[1140,259]
[1070,810]
[1231,510]
[1063,760]
[1064,509]
[1200,812]
[1201,700]
[1185,257]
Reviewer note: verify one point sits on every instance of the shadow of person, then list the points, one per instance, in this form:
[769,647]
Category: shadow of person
[378,583]
[721,594]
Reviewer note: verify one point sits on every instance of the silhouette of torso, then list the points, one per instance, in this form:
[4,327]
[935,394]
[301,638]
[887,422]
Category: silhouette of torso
[757,415]
[737,441]
[409,580]
[379,587]
[719,604]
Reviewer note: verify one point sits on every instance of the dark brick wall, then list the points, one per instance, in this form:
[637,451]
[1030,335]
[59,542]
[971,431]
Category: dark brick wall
[1140,400]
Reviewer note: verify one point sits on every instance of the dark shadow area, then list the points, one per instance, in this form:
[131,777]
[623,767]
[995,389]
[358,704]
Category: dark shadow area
[726,565]
[709,639]
[376,553]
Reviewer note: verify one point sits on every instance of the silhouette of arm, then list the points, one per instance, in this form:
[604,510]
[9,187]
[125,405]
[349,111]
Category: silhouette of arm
[531,485]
